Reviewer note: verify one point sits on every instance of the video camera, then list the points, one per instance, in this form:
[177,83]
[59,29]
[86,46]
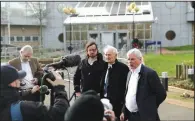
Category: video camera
[67,61]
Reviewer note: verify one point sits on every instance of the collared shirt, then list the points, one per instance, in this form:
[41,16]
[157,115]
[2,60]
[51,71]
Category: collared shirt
[131,103]
[92,60]
[29,77]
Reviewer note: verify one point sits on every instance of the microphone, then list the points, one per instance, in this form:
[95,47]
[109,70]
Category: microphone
[106,103]
[68,61]
[72,60]
[44,89]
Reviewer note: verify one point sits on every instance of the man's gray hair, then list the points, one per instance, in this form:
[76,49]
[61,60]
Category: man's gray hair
[109,47]
[135,51]
[26,48]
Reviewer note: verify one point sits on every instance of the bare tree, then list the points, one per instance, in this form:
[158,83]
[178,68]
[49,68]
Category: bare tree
[40,12]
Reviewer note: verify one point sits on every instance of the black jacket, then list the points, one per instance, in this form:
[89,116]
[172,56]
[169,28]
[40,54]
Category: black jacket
[150,94]
[116,85]
[35,111]
[88,77]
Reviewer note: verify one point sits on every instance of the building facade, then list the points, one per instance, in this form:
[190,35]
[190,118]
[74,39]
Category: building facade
[172,23]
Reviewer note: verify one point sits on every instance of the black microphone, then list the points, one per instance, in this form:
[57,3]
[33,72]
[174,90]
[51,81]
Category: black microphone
[72,60]
[44,89]
[68,61]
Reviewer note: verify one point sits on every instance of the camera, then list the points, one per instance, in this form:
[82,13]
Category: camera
[107,106]
[68,61]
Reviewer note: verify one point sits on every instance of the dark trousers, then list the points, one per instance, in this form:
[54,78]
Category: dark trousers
[133,116]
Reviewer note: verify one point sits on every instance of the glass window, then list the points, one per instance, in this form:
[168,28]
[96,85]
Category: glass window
[102,4]
[138,3]
[83,27]
[83,35]
[76,27]
[93,27]
[35,38]
[148,25]
[88,4]
[144,3]
[147,34]
[76,35]
[139,26]
[122,26]
[67,36]
[27,38]
[112,26]
[19,38]
[12,38]
[67,27]
[95,4]
[139,34]
[1,38]
[170,35]
[81,4]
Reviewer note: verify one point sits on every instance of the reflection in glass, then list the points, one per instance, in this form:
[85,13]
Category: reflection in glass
[122,40]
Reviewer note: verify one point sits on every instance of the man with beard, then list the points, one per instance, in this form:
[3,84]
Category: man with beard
[33,71]
[89,72]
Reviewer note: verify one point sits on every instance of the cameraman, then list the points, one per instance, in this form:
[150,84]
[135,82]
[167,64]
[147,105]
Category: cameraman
[11,109]
[88,107]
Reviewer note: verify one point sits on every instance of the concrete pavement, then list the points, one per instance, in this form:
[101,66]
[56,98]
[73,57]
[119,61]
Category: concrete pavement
[166,111]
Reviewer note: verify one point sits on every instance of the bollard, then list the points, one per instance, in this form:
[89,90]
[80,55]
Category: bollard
[165,80]
[191,74]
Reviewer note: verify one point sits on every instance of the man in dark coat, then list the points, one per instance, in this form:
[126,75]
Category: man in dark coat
[89,72]
[12,109]
[144,91]
[114,80]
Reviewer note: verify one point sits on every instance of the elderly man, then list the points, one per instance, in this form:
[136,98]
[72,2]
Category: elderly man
[32,67]
[114,80]
[144,91]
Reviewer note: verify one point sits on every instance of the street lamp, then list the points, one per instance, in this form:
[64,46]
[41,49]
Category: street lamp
[70,11]
[132,8]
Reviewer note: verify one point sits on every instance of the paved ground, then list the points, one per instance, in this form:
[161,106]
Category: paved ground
[166,111]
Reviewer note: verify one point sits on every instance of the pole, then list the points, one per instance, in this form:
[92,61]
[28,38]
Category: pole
[70,36]
[133,26]
[8,19]
[64,33]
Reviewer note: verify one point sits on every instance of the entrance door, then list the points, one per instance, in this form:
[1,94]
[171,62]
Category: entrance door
[107,38]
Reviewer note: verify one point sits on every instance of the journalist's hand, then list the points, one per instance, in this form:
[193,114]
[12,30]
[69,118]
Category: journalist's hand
[111,113]
[58,81]
[122,117]
[35,89]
